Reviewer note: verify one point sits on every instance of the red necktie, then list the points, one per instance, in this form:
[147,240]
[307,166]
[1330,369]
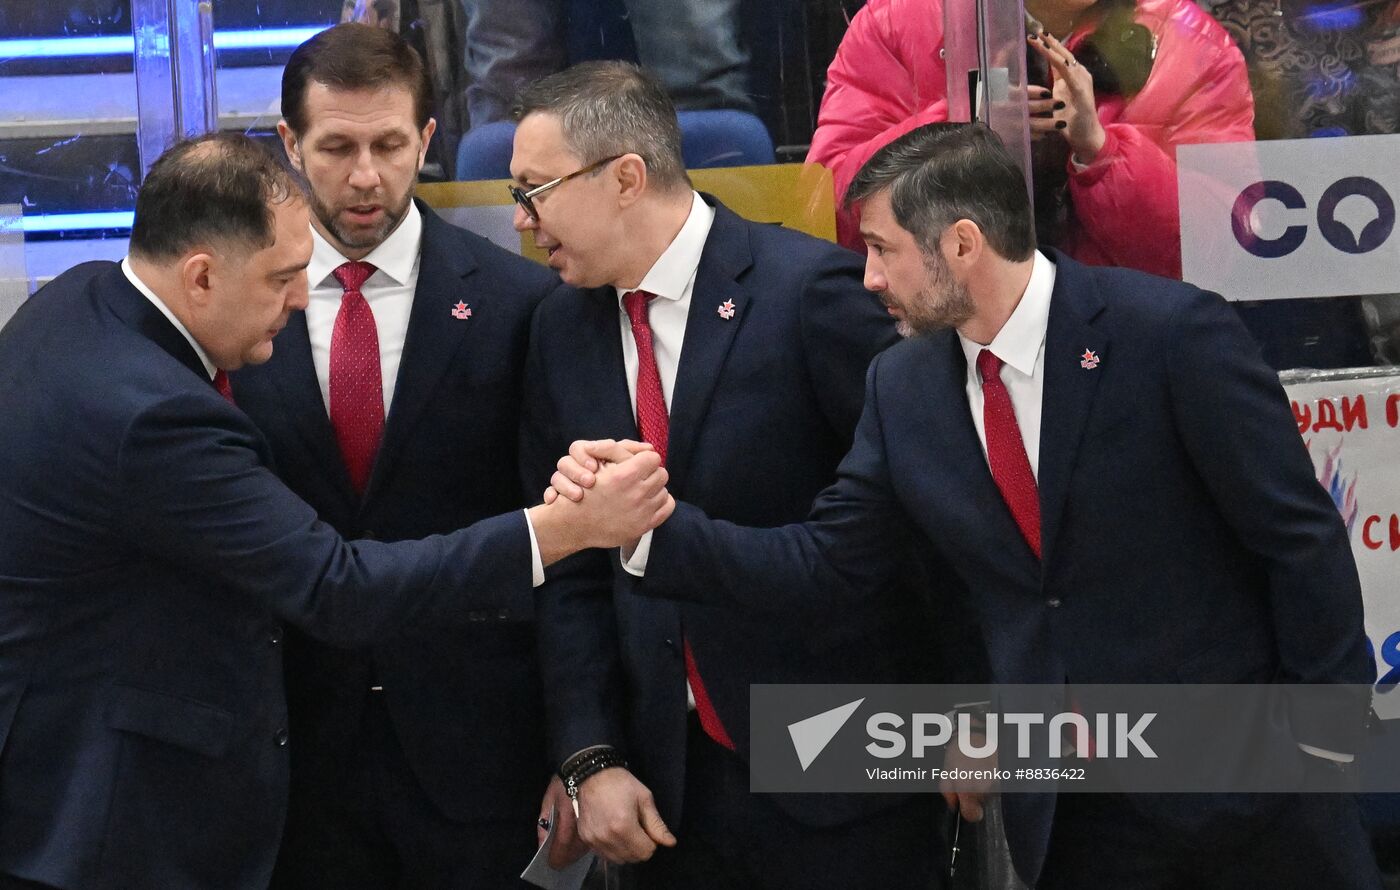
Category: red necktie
[653,423]
[1006,451]
[357,388]
[222,385]
[1011,468]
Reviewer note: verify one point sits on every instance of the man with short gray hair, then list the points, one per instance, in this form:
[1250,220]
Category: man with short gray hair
[735,350]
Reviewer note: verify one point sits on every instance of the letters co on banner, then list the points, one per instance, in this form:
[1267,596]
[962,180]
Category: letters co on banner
[1291,218]
[1350,421]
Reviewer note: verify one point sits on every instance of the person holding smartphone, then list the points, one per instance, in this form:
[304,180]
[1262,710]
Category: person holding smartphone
[1117,85]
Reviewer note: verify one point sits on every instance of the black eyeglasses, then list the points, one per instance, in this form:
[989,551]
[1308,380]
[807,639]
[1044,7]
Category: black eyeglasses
[526,198]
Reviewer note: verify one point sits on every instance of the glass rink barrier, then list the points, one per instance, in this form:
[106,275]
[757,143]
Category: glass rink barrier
[1249,147]
[14,278]
[92,91]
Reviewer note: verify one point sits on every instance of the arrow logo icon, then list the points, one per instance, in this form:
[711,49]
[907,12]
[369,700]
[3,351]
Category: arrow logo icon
[811,736]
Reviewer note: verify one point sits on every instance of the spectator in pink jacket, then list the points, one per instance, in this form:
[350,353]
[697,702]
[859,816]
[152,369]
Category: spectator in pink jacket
[1116,131]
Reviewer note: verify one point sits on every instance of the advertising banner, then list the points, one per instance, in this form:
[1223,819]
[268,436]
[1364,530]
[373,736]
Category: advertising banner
[1291,218]
[1350,421]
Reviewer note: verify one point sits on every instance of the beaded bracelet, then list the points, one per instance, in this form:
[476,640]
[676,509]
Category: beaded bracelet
[580,767]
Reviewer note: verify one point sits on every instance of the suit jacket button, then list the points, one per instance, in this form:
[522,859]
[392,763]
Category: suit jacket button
[477,615]
[275,638]
[1053,602]
[503,615]
[281,738]
[670,644]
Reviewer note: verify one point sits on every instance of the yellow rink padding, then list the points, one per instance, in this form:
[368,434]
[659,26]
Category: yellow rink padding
[798,196]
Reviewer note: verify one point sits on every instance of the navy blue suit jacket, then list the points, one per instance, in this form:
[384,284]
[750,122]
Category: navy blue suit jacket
[763,409]
[148,563]
[1185,538]
[465,703]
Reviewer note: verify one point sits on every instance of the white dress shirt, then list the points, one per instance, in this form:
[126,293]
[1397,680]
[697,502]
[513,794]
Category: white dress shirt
[165,310]
[672,279]
[1020,344]
[389,293]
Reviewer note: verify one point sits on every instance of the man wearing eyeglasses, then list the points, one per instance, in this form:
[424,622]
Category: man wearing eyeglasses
[392,407]
[738,351]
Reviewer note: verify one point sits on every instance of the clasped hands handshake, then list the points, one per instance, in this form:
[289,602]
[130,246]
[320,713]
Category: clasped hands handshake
[605,494]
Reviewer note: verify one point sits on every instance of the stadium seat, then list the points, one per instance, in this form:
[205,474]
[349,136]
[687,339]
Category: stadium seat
[708,139]
[724,139]
[484,152]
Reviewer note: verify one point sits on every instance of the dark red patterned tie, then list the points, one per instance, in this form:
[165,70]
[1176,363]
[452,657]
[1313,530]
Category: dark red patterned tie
[222,385]
[653,423]
[1006,451]
[357,387]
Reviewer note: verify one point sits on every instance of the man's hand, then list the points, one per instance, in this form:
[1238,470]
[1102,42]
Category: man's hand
[568,846]
[969,794]
[618,818]
[967,803]
[576,469]
[627,500]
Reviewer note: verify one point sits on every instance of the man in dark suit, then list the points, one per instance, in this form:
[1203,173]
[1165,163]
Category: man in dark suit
[422,760]
[708,337]
[1114,473]
[150,557]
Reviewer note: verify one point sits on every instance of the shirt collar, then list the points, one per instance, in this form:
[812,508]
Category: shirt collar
[394,257]
[165,310]
[1019,341]
[673,270]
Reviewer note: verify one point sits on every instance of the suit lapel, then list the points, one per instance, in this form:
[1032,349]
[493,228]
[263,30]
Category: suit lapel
[946,419]
[434,337]
[305,405]
[708,335]
[132,307]
[1069,387]
[598,358]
